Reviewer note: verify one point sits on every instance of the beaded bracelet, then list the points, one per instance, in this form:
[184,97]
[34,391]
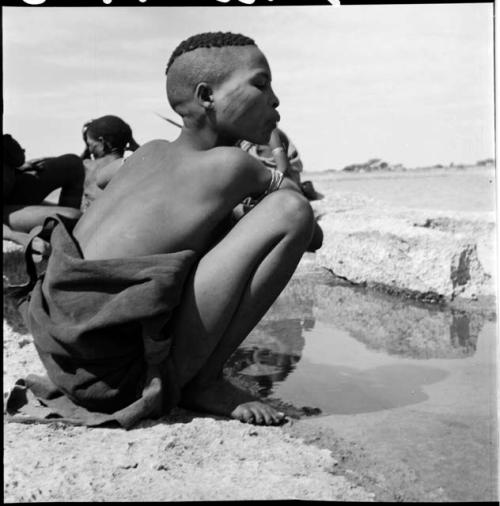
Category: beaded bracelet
[275,183]
[276,151]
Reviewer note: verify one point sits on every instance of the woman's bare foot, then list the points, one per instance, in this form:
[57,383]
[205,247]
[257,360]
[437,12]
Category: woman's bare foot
[222,398]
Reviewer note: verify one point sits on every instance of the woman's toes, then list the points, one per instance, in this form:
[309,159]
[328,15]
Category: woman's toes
[243,414]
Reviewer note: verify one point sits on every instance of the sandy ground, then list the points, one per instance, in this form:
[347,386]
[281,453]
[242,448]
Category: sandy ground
[191,459]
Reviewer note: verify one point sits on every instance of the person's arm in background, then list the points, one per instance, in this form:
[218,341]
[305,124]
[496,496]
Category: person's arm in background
[281,154]
[279,145]
[289,158]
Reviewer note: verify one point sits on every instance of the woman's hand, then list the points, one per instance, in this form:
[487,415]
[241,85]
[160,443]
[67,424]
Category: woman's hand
[35,165]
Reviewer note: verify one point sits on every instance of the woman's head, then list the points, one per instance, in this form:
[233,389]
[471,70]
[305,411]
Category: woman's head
[108,134]
[222,81]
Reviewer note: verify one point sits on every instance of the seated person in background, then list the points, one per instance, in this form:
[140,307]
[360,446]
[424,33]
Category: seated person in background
[149,294]
[106,140]
[280,153]
[27,183]
[264,153]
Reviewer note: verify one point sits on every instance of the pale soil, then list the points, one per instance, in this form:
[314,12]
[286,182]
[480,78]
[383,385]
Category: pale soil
[194,459]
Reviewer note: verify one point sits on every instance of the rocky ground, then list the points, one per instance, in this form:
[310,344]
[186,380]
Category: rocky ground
[426,255]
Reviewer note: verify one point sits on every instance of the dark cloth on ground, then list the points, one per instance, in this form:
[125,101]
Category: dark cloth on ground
[100,328]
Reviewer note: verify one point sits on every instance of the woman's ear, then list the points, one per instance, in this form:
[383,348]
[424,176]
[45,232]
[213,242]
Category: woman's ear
[204,96]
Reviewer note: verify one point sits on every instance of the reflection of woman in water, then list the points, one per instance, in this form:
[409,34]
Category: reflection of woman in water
[272,358]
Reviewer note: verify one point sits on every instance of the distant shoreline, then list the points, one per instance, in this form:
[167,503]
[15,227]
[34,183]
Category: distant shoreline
[419,171]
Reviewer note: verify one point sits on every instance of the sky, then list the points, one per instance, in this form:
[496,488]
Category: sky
[410,84]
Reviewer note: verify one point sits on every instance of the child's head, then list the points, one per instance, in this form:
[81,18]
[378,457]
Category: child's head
[108,134]
[223,79]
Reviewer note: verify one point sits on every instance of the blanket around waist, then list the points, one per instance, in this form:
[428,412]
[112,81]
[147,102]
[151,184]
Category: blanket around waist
[87,317]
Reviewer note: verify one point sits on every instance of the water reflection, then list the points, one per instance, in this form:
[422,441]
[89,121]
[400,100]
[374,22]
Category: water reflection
[271,352]
[383,324]
[273,349]
[399,327]
[461,334]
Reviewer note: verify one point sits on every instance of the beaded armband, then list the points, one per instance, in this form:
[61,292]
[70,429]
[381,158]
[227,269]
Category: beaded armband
[275,183]
[276,178]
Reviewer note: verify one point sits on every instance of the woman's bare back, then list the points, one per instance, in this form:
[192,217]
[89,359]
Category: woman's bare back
[163,199]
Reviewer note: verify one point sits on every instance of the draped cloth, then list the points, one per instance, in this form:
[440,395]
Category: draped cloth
[101,330]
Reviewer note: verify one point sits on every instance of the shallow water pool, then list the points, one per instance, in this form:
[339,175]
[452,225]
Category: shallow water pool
[345,350]
[414,384]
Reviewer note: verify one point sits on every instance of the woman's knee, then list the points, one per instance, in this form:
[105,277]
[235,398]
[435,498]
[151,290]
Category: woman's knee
[293,210]
[70,159]
[75,163]
[73,166]
[64,170]
[316,239]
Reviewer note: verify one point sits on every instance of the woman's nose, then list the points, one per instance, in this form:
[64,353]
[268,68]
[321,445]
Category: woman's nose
[275,101]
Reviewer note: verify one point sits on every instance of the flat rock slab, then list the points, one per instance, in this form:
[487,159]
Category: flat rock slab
[431,254]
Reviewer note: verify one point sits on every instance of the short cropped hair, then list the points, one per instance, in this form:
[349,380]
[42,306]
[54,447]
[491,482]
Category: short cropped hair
[209,39]
[188,67]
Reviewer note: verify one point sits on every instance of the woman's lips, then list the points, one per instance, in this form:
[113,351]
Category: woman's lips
[274,121]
